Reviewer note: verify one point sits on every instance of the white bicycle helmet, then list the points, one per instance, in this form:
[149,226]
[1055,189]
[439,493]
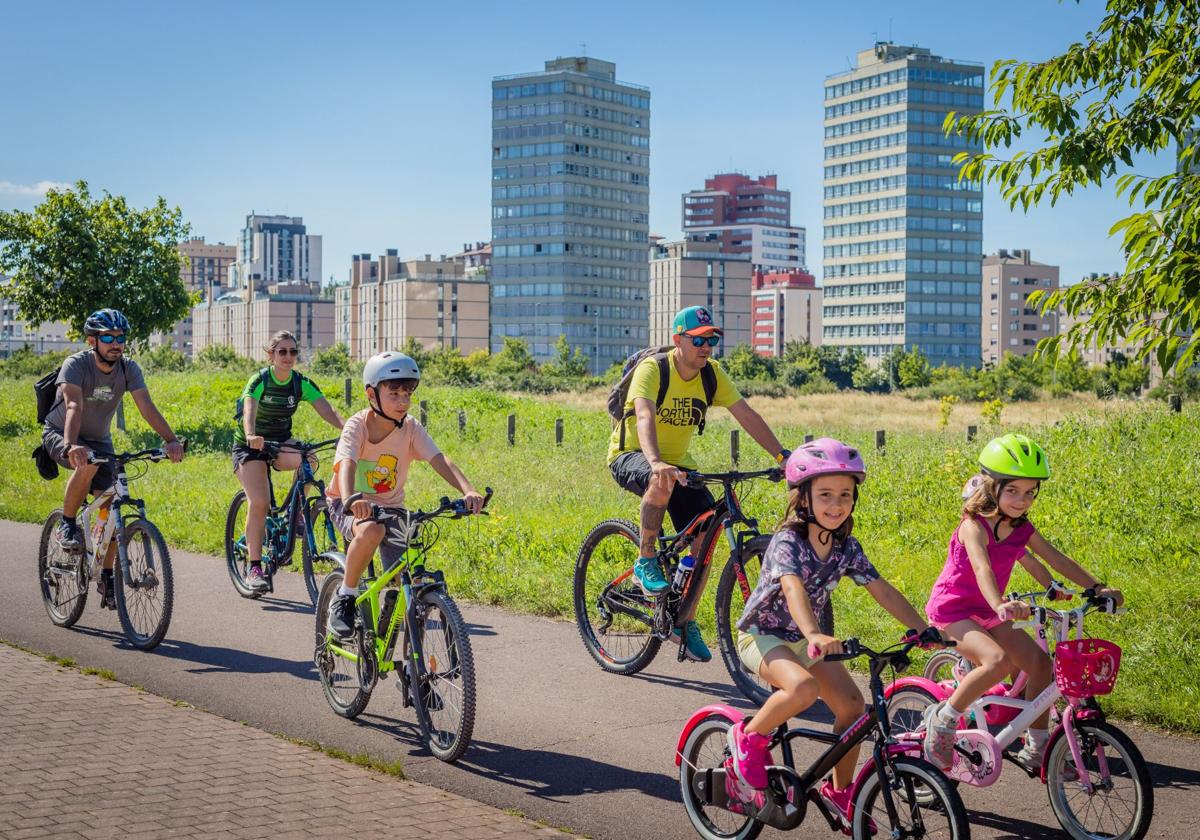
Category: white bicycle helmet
[389,365]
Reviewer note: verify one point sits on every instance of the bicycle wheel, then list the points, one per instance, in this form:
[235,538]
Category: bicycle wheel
[62,576]
[905,707]
[325,539]
[444,688]
[940,666]
[704,748]
[237,559]
[926,804]
[1122,799]
[614,617]
[145,606]
[341,677]
[733,590]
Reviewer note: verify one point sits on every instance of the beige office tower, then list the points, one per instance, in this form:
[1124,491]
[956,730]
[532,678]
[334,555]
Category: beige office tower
[684,274]
[204,268]
[390,300]
[903,236]
[1011,324]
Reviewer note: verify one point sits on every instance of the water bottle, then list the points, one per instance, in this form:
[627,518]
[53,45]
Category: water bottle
[686,563]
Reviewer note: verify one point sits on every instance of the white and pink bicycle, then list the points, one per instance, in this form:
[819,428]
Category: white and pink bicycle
[1096,778]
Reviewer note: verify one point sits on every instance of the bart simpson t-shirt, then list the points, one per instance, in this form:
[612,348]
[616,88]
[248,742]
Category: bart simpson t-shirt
[382,468]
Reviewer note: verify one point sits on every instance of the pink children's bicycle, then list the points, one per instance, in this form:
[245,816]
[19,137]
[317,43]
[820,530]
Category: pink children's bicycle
[1096,778]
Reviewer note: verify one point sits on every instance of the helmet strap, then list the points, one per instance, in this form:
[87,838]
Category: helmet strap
[826,535]
[101,362]
[377,407]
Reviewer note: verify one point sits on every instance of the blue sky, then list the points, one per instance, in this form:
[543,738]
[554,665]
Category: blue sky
[372,121]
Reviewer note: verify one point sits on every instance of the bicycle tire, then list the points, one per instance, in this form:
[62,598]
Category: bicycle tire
[325,538]
[940,665]
[236,560]
[1128,757]
[347,695]
[433,692]
[921,789]
[905,708]
[705,747]
[51,554]
[729,612]
[625,546]
[155,586]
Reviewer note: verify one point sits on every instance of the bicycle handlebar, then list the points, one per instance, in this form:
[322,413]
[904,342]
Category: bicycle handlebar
[272,447]
[456,508]
[772,474]
[154,455]
[896,655]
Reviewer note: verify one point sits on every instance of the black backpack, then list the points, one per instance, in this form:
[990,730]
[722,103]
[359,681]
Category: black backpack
[297,385]
[620,392]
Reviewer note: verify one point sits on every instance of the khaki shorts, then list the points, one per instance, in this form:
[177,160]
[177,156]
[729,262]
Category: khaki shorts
[753,648]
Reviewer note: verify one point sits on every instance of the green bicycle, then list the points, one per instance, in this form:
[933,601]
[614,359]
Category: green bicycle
[435,669]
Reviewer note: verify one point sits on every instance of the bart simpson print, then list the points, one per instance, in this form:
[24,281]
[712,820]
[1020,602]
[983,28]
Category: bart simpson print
[382,478]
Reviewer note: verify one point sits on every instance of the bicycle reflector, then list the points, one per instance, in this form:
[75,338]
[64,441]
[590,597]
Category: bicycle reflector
[1086,667]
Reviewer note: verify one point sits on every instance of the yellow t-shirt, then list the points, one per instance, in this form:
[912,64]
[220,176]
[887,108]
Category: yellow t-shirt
[679,415]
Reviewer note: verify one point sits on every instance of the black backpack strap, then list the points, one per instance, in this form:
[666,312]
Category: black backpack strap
[664,378]
[297,386]
[708,379]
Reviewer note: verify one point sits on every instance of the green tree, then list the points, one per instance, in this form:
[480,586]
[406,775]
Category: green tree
[163,358]
[73,254]
[513,358]
[1121,377]
[567,363]
[1131,87]
[332,361]
[222,357]
[744,365]
[416,351]
[913,371]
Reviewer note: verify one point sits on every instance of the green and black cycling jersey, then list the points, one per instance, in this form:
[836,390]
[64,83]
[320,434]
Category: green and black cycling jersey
[277,402]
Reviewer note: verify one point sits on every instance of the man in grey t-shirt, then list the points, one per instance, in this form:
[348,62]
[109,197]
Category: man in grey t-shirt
[91,385]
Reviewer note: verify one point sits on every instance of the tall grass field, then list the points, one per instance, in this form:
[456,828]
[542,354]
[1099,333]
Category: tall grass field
[1122,501]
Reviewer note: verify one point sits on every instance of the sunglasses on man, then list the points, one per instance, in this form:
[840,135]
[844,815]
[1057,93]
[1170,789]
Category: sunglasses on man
[105,338]
[710,340]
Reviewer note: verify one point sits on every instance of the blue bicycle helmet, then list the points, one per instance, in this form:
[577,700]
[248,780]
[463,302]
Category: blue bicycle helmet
[105,319]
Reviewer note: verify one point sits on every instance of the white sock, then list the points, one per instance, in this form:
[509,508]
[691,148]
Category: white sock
[1037,738]
[947,715]
[346,590]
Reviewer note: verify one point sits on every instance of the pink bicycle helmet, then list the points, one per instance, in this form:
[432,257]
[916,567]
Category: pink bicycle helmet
[824,456]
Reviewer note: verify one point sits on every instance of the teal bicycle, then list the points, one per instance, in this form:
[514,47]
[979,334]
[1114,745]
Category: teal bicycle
[406,622]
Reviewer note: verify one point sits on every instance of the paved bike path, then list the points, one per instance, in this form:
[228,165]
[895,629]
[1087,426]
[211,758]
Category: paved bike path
[555,738]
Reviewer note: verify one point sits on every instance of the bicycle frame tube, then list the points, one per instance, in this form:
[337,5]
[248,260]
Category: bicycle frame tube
[370,597]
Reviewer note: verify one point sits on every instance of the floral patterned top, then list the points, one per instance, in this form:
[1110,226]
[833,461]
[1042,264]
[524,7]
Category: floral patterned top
[791,554]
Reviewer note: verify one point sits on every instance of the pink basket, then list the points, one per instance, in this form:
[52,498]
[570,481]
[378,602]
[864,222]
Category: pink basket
[1086,667]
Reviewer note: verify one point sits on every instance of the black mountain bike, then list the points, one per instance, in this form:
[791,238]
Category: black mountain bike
[895,793]
[623,628]
[145,586]
[302,513]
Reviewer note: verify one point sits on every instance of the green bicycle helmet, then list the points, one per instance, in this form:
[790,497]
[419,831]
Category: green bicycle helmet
[1014,456]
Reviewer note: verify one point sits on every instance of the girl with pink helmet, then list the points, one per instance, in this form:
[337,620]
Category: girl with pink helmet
[779,638]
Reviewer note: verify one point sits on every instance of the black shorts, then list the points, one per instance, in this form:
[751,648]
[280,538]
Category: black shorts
[243,453]
[106,473]
[632,471]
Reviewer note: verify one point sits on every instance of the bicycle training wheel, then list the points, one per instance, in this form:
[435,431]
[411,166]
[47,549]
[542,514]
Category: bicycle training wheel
[615,618]
[738,580]
[325,538]
[444,688]
[1122,799]
[704,748]
[237,559]
[337,660]
[926,804]
[61,575]
[144,605]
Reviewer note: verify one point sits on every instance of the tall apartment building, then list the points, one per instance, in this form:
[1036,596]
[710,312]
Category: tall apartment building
[247,325]
[476,259]
[1010,323]
[390,300]
[686,274]
[746,216]
[204,268]
[276,251]
[903,241]
[15,333]
[570,209]
[785,306]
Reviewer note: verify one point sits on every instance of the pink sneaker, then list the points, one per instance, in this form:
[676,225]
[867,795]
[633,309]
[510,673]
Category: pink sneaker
[743,799]
[750,755]
[839,802]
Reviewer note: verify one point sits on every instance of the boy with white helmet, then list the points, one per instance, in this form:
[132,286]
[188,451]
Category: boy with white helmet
[372,458]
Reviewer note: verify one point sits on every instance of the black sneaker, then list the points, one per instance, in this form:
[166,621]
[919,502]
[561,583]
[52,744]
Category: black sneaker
[107,590]
[341,616]
[68,535]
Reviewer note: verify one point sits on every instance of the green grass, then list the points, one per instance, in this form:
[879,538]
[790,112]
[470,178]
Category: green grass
[1122,501]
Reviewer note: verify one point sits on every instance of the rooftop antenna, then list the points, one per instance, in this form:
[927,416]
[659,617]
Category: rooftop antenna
[889,30]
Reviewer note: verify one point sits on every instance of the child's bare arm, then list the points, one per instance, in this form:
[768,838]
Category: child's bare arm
[892,600]
[1036,570]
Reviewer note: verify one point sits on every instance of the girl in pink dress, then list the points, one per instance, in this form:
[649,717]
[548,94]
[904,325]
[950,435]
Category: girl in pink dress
[967,602]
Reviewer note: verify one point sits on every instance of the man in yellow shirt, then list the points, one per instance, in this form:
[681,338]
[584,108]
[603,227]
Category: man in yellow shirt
[648,455]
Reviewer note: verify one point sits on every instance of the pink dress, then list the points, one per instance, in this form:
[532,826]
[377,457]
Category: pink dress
[956,595]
